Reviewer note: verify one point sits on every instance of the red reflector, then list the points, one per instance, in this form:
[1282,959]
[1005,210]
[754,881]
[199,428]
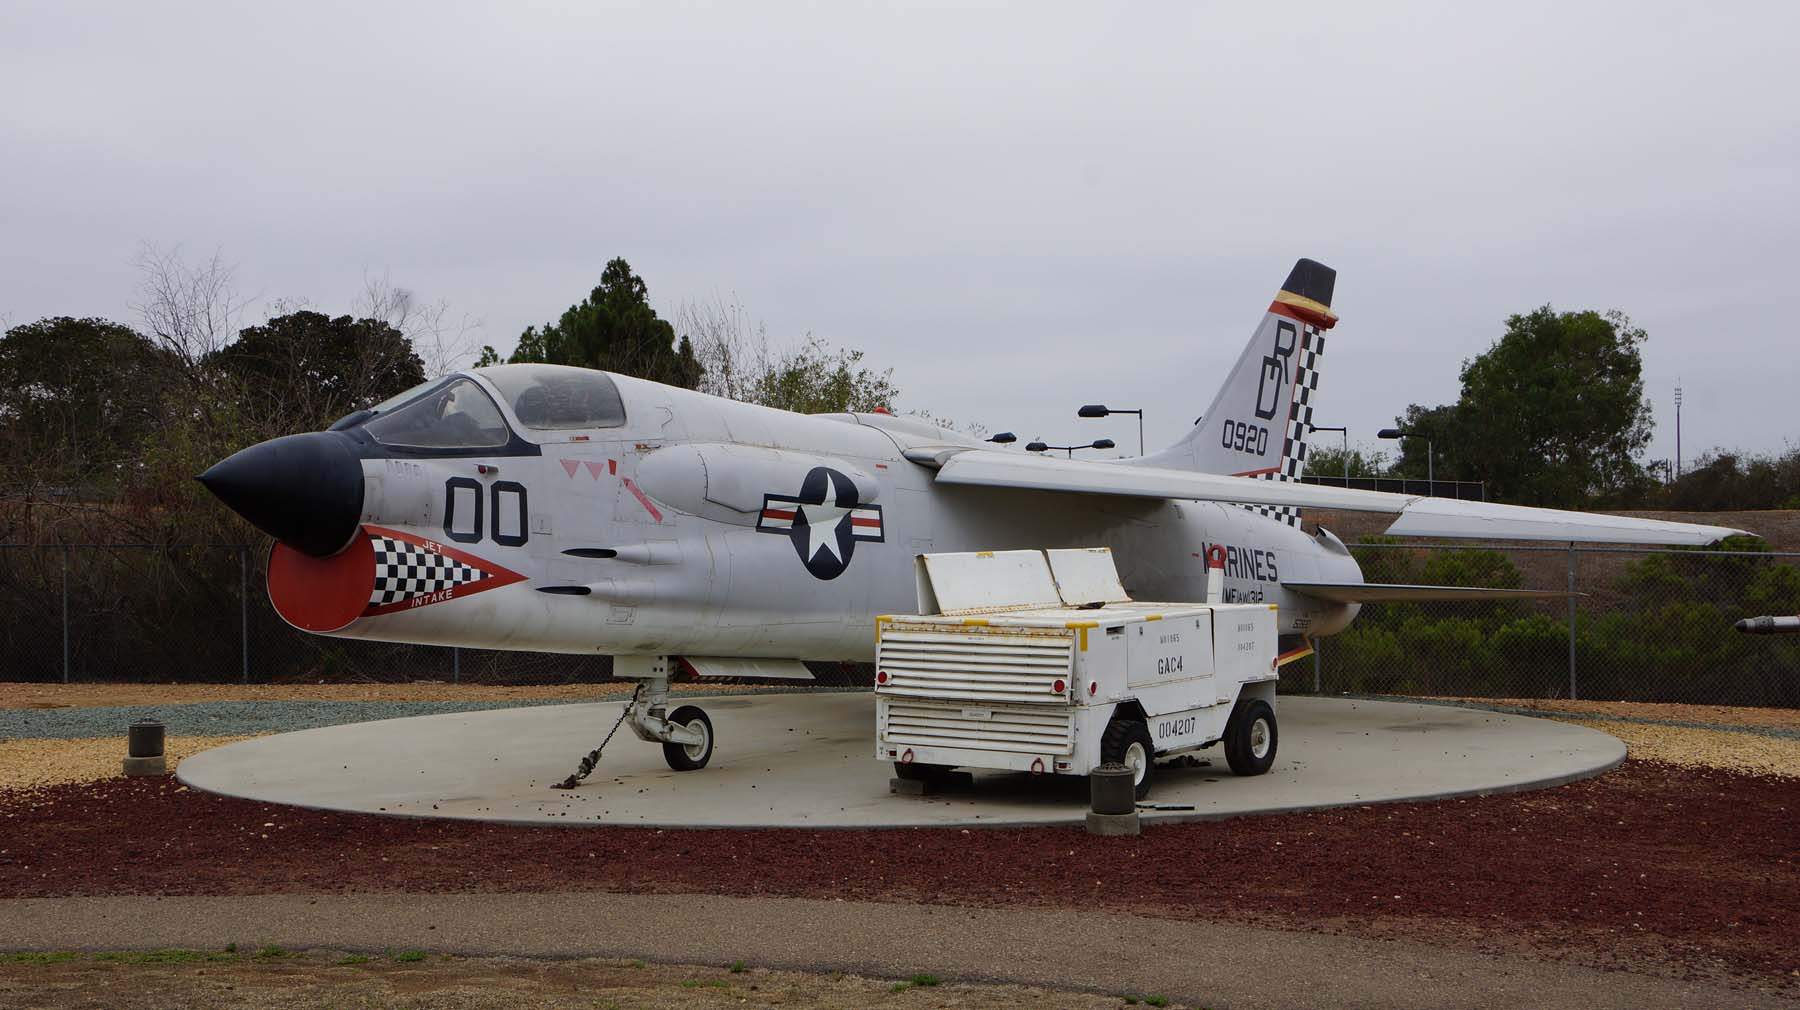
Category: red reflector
[881,677]
[1059,687]
[1093,688]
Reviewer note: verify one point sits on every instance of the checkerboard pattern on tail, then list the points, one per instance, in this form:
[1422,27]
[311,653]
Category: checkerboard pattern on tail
[1299,423]
[403,571]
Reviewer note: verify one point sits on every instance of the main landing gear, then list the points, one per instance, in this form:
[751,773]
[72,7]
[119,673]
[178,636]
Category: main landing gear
[686,734]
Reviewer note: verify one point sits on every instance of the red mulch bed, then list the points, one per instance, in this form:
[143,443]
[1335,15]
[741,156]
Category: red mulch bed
[1700,867]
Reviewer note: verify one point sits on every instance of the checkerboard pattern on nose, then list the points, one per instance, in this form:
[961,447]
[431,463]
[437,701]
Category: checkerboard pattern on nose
[403,571]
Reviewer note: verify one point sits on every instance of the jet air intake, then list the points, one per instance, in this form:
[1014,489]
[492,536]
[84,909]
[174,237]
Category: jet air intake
[304,490]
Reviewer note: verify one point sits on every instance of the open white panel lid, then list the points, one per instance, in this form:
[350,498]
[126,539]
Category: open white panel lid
[985,582]
[1086,576]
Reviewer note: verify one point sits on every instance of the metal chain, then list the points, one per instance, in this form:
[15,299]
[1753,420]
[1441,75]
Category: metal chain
[593,756]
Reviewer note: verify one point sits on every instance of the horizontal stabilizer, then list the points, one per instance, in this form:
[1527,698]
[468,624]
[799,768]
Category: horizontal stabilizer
[1419,516]
[1376,592]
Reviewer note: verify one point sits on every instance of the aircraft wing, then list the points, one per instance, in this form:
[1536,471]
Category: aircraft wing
[1376,592]
[1418,515]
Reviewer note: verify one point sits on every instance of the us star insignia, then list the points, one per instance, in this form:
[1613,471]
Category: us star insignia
[823,522]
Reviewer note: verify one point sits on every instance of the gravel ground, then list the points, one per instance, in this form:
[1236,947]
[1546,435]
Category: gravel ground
[224,718]
[1662,863]
[33,695]
[254,717]
[28,764]
[1688,715]
[1732,750]
[1650,863]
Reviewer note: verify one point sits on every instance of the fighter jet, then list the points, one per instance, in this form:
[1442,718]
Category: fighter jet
[565,510]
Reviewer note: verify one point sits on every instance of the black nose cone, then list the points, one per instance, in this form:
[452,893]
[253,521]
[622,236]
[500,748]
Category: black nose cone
[304,490]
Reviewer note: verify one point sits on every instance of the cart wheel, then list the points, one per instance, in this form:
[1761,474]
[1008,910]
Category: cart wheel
[1250,738]
[1127,742]
[914,772]
[690,757]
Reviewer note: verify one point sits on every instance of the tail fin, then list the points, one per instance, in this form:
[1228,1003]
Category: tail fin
[1258,424]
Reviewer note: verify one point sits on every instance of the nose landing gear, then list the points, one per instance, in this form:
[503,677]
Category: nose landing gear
[686,734]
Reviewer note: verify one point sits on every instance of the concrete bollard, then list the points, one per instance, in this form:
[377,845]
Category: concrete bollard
[144,748]
[1112,795]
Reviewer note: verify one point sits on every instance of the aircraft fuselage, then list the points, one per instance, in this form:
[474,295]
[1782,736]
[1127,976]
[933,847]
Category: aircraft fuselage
[710,527]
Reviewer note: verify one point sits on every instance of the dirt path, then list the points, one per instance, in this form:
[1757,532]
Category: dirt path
[255,979]
[1202,964]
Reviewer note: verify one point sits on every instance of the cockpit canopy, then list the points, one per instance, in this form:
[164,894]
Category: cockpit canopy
[453,413]
[554,397]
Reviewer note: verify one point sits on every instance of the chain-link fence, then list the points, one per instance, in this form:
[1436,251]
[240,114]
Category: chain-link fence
[1652,626]
[199,612]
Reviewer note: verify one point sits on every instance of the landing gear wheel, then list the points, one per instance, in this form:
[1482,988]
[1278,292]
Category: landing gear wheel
[690,757]
[1250,738]
[912,772]
[1127,742]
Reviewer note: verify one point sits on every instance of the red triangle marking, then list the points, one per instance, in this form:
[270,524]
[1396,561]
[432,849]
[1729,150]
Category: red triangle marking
[571,466]
[494,576]
[593,469]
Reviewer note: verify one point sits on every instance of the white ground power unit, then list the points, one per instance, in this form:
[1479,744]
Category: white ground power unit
[1037,661]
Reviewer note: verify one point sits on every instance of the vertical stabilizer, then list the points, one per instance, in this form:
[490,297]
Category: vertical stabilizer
[1259,422]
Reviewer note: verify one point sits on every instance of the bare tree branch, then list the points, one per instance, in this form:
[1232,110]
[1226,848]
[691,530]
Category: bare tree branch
[191,309]
[442,342]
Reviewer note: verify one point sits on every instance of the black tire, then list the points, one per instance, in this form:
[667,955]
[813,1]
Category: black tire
[681,757]
[1116,747]
[914,772]
[1251,738]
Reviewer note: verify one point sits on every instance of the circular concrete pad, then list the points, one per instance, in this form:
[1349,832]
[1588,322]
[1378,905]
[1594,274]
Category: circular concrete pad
[806,760]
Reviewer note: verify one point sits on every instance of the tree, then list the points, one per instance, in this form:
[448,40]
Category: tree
[1727,480]
[614,329]
[1552,414]
[306,369]
[1328,461]
[810,378]
[77,398]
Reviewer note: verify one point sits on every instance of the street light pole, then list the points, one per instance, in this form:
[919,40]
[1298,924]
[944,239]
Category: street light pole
[1098,443]
[1430,464]
[1345,431]
[1101,410]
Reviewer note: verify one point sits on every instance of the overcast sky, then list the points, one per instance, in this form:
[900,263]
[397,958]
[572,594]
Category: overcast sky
[1020,209]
